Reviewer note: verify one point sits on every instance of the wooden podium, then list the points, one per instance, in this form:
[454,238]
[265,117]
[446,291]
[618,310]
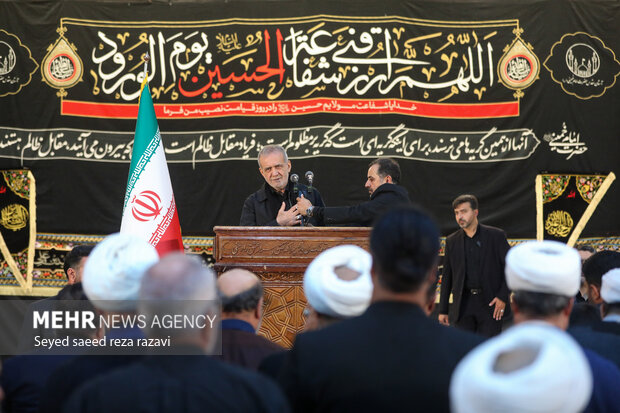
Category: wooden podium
[279,256]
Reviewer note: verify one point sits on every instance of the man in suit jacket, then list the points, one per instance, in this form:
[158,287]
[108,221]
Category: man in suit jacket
[385,193]
[473,272]
[392,357]
[241,293]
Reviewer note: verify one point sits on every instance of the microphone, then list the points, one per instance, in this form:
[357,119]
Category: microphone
[295,179]
[309,178]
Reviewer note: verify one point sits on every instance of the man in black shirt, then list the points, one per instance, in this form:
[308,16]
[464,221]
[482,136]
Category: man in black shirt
[473,272]
[385,194]
[275,203]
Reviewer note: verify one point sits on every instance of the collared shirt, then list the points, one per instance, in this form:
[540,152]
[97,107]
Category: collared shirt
[473,249]
[236,324]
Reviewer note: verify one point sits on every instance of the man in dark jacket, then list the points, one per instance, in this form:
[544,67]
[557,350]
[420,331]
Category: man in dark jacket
[385,193]
[473,272]
[275,203]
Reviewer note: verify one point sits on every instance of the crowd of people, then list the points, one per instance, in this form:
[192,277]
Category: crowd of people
[532,328]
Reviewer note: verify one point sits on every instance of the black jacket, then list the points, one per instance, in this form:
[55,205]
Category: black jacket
[168,383]
[605,344]
[392,358]
[261,208]
[385,197]
[492,262]
[243,347]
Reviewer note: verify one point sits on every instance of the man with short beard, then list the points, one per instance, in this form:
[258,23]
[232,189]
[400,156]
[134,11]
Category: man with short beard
[384,189]
[473,273]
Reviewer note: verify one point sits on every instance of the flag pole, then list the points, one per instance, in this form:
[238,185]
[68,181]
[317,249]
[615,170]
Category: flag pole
[146,59]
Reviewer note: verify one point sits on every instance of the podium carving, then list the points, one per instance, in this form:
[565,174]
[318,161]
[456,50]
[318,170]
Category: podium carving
[279,256]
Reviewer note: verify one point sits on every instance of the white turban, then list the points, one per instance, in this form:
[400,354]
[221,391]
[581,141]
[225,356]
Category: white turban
[330,295]
[114,269]
[533,367]
[544,267]
[610,286]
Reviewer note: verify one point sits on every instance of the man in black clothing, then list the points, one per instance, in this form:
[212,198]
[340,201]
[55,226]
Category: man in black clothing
[275,203]
[473,272]
[385,193]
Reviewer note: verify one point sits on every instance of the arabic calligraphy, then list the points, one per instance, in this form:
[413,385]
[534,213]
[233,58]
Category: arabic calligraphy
[303,107]
[519,68]
[16,64]
[62,67]
[559,223]
[48,259]
[326,140]
[314,57]
[14,217]
[566,143]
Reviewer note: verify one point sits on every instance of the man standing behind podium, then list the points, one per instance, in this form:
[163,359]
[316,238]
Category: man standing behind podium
[385,194]
[473,272]
[275,203]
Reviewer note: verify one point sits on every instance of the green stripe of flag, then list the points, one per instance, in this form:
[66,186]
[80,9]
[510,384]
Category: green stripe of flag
[146,140]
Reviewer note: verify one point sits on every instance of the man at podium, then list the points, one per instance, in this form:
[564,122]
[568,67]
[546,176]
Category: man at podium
[275,203]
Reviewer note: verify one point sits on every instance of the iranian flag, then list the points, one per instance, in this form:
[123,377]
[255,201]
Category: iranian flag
[149,210]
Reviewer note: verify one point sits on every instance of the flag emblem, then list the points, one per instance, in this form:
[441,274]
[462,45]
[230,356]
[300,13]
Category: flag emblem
[146,206]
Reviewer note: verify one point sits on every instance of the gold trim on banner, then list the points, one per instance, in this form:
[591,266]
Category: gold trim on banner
[539,209]
[32,205]
[35,292]
[601,191]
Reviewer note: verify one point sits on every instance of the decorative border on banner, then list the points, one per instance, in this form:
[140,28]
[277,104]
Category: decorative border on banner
[47,281]
[70,240]
[500,109]
[559,81]
[35,65]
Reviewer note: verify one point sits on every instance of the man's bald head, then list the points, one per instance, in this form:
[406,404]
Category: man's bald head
[236,281]
[241,293]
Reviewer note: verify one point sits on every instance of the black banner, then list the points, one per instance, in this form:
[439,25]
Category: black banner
[469,97]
